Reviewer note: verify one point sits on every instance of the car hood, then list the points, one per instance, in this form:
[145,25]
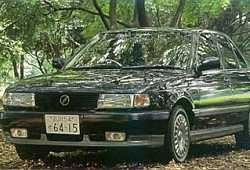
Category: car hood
[102,80]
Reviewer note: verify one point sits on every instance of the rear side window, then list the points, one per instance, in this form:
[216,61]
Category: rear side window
[227,52]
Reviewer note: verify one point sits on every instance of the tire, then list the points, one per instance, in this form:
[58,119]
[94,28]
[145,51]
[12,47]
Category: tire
[243,138]
[177,141]
[30,152]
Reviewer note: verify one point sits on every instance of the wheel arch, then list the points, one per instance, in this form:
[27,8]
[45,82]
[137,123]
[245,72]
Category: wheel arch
[188,105]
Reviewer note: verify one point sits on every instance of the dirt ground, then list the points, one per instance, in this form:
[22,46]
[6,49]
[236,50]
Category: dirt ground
[212,154]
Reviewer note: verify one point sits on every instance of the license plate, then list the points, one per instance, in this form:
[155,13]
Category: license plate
[62,124]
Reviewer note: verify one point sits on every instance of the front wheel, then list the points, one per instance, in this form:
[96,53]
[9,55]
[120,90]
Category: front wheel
[177,140]
[30,152]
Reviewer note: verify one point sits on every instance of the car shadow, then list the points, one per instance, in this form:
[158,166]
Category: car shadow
[122,158]
[133,158]
[207,150]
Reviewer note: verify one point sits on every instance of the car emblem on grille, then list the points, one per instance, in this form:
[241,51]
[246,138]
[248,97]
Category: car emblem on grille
[64,100]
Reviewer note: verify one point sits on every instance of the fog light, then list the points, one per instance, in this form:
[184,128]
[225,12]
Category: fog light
[19,132]
[115,136]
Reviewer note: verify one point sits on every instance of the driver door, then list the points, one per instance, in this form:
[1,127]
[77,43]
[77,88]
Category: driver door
[214,87]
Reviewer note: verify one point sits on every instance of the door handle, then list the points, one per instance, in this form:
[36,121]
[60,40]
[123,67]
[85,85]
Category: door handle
[226,79]
[228,83]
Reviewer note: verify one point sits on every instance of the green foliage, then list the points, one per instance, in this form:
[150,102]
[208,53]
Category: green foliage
[40,30]
[161,11]
[198,12]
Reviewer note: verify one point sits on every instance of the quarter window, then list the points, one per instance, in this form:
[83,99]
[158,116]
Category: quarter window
[227,52]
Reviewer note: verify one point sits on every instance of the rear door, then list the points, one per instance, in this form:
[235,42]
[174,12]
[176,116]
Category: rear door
[236,72]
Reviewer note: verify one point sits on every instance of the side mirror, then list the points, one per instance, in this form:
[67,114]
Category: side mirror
[58,63]
[209,63]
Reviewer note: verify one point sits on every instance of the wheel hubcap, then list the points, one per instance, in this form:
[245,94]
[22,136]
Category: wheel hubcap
[181,136]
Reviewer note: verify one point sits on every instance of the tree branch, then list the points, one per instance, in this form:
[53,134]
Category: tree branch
[34,65]
[93,13]
[101,14]
[243,32]
[90,12]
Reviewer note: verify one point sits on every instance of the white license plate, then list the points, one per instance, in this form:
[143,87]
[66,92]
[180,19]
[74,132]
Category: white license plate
[62,124]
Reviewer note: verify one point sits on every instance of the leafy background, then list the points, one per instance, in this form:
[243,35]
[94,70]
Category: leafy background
[32,32]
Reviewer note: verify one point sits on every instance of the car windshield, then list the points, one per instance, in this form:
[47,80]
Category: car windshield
[130,49]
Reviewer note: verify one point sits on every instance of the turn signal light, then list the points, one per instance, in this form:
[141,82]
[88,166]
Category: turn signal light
[141,100]
[115,136]
[19,132]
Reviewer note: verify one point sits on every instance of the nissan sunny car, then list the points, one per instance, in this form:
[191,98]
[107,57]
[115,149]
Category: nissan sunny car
[157,88]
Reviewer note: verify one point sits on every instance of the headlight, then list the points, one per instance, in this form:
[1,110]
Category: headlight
[19,99]
[123,100]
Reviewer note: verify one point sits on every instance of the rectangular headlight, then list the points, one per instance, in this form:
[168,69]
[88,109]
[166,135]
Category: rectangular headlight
[115,101]
[19,99]
[123,101]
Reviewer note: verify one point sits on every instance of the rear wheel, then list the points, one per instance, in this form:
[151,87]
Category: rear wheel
[30,152]
[243,138]
[177,142]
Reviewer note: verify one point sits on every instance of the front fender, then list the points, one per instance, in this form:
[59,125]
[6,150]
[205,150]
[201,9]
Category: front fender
[178,96]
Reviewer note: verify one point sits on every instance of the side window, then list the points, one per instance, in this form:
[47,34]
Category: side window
[208,56]
[227,52]
[241,60]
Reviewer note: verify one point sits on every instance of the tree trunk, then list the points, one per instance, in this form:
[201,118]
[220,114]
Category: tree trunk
[140,15]
[22,67]
[15,67]
[102,15]
[176,21]
[112,14]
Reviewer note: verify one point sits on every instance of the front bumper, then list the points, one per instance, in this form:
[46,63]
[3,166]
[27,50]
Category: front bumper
[142,128]
[132,141]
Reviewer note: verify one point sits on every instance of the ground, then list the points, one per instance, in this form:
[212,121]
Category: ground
[212,154]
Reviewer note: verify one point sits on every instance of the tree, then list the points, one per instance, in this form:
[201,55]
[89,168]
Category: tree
[112,14]
[140,14]
[176,21]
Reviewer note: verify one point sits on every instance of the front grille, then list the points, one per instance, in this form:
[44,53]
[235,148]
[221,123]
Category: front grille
[78,101]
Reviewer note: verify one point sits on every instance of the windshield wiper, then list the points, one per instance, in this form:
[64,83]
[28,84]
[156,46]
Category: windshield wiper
[110,61]
[154,67]
[140,67]
[98,66]
[109,64]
